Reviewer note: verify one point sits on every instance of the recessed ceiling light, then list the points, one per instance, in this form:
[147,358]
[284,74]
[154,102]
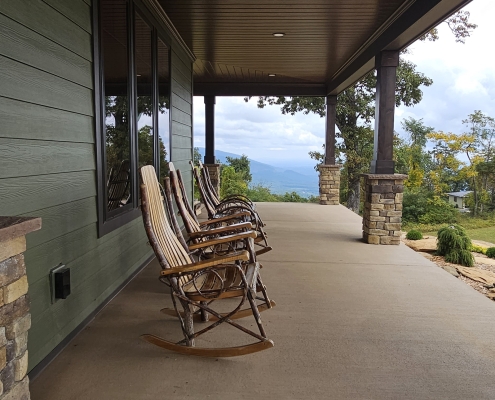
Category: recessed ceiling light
[279,34]
[271,75]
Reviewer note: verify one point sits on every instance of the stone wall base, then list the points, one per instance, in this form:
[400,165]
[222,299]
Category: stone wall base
[329,184]
[382,214]
[214,170]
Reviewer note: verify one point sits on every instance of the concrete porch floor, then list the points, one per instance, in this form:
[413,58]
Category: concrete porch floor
[353,321]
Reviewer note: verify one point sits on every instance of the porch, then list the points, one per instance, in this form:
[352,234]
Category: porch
[352,321]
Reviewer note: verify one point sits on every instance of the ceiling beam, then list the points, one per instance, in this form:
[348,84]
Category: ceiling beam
[258,89]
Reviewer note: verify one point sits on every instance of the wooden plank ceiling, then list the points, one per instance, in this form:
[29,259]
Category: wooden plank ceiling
[237,52]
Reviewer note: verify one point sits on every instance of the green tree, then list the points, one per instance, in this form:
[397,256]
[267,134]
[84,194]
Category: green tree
[241,165]
[232,182]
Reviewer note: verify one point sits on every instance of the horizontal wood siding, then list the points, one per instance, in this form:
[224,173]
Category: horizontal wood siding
[182,134]
[48,164]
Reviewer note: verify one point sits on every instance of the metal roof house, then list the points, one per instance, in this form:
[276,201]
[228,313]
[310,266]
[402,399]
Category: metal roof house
[93,89]
[458,199]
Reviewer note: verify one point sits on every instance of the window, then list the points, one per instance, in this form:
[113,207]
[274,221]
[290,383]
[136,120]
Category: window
[132,102]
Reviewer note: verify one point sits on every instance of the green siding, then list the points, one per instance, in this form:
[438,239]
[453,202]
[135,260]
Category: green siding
[182,134]
[47,164]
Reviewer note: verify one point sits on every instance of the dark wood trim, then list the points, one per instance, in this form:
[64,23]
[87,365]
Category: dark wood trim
[331,117]
[38,369]
[132,112]
[155,99]
[209,130]
[259,89]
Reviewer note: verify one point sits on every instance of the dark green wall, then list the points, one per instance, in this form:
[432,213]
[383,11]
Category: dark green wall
[47,160]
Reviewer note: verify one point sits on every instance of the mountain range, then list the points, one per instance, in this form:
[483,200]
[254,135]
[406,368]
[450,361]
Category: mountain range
[279,180]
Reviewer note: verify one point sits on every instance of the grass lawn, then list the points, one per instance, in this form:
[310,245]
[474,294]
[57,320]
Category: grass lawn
[486,234]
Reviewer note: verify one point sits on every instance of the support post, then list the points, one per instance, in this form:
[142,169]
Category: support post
[329,171]
[15,319]
[386,68]
[382,214]
[209,129]
[331,117]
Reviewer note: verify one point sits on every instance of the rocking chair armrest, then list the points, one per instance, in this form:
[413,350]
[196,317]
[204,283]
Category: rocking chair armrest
[212,262]
[227,228]
[223,239]
[226,218]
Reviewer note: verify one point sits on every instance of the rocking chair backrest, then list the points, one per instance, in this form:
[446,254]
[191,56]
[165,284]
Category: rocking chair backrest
[180,197]
[205,173]
[210,207]
[162,238]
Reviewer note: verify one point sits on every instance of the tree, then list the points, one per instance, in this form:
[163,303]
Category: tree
[241,165]
[355,109]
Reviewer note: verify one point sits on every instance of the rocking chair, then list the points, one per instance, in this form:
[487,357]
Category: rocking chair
[194,285]
[198,231]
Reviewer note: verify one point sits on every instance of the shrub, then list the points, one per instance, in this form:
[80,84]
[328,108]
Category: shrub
[490,252]
[455,245]
[414,235]
[478,249]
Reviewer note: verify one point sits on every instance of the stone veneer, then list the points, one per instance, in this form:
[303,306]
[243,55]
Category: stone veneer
[214,170]
[329,184]
[382,214]
[15,319]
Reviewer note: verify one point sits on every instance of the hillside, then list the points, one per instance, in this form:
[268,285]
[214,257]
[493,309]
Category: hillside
[279,180]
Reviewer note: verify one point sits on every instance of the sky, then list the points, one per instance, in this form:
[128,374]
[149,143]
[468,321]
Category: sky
[463,81]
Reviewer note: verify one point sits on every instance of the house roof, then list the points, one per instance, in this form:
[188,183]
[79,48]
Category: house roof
[328,44]
[460,194]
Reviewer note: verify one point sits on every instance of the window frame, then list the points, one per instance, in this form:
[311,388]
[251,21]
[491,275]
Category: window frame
[108,221]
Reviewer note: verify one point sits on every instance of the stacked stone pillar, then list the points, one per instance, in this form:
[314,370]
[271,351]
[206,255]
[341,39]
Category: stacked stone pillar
[382,214]
[329,184]
[15,319]
[214,171]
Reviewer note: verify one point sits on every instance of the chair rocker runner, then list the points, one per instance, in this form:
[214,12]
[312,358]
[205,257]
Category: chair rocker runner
[195,284]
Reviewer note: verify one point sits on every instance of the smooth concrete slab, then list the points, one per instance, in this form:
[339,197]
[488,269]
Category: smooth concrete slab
[353,321]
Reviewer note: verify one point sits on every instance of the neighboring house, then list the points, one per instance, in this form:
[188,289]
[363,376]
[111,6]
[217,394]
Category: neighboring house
[93,89]
[458,199]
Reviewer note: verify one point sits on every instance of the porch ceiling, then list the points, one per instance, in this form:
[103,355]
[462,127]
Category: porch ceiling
[328,44]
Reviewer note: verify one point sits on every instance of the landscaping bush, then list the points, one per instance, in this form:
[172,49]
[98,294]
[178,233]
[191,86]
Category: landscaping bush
[455,245]
[490,252]
[414,235]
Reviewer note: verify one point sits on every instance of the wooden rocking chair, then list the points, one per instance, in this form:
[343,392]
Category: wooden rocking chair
[194,285]
[118,185]
[215,196]
[199,231]
[216,210]
[217,239]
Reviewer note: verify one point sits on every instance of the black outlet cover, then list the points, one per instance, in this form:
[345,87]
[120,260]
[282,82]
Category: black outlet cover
[62,283]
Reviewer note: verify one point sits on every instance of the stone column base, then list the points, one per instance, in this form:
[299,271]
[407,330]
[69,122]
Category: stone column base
[15,319]
[329,184]
[382,214]
[214,170]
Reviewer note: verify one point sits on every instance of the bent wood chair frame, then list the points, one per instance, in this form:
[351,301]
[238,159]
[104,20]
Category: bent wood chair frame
[193,284]
[227,208]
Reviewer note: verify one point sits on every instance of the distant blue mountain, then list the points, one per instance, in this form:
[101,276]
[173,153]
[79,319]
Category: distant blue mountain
[279,180]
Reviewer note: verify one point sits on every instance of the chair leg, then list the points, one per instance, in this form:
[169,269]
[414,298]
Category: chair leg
[251,297]
[204,313]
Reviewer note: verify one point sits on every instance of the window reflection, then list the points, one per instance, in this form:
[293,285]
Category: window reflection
[115,74]
[144,78]
[163,108]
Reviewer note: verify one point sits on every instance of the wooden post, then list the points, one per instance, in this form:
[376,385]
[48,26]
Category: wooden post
[331,116]
[386,67]
[209,129]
